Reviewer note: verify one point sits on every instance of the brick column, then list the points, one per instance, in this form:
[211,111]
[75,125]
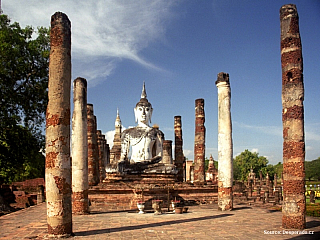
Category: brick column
[101,156]
[80,202]
[294,203]
[92,146]
[58,169]
[108,153]
[225,149]
[178,149]
[167,152]
[96,173]
[199,142]
[102,165]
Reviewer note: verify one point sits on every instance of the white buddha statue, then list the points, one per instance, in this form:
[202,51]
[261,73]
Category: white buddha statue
[145,141]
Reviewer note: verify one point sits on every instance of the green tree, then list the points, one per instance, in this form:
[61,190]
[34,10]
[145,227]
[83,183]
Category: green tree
[312,169]
[278,168]
[24,62]
[247,160]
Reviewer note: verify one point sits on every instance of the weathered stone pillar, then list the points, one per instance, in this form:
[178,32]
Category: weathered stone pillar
[178,150]
[96,153]
[58,169]
[294,203]
[225,149]
[40,194]
[108,154]
[92,146]
[100,155]
[102,165]
[167,152]
[80,202]
[199,142]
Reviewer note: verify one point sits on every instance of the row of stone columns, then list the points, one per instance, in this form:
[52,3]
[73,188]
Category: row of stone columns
[58,164]
[98,149]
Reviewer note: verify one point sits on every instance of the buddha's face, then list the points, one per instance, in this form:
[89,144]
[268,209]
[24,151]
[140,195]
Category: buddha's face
[143,113]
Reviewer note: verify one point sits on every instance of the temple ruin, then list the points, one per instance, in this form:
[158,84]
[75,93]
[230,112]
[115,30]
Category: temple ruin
[116,148]
[140,167]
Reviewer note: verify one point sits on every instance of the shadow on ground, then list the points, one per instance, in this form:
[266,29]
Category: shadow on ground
[120,229]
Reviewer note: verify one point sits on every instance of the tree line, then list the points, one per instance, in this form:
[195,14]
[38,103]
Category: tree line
[246,160]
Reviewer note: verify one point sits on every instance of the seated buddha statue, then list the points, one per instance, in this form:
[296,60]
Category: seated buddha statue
[145,142]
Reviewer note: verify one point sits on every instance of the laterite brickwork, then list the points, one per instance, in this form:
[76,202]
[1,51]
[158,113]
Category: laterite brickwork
[294,203]
[199,142]
[178,150]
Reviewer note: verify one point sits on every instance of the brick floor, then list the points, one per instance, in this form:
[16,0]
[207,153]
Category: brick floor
[201,222]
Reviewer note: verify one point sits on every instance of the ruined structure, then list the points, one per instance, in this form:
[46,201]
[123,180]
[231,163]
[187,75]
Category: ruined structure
[96,174]
[212,172]
[167,152]
[80,204]
[116,148]
[199,142]
[225,148]
[58,169]
[189,171]
[178,150]
[294,205]
[101,155]
[92,147]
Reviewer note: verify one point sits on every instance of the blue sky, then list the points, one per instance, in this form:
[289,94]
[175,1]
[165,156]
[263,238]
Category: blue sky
[178,48]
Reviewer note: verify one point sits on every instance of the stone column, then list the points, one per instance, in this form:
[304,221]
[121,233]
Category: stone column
[58,169]
[100,155]
[92,146]
[178,150]
[80,202]
[108,154]
[167,152]
[294,203]
[225,149]
[96,173]
[40,194]
[102,164]
[199,142]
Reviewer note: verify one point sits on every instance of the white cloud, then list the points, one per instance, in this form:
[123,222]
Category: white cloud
[254,150]
[188,153]
[106,29]
[109,137]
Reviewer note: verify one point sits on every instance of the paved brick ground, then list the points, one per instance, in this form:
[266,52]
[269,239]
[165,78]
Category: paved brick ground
[201,222]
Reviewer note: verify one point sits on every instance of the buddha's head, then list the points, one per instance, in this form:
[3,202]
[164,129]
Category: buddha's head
[143,109]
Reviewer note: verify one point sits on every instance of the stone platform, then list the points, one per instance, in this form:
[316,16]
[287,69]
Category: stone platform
[125,195]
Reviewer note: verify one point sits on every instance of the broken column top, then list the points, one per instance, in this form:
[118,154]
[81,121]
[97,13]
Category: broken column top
[60,23]
[223,77]
[90,109]
[288,10]
[81,80]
